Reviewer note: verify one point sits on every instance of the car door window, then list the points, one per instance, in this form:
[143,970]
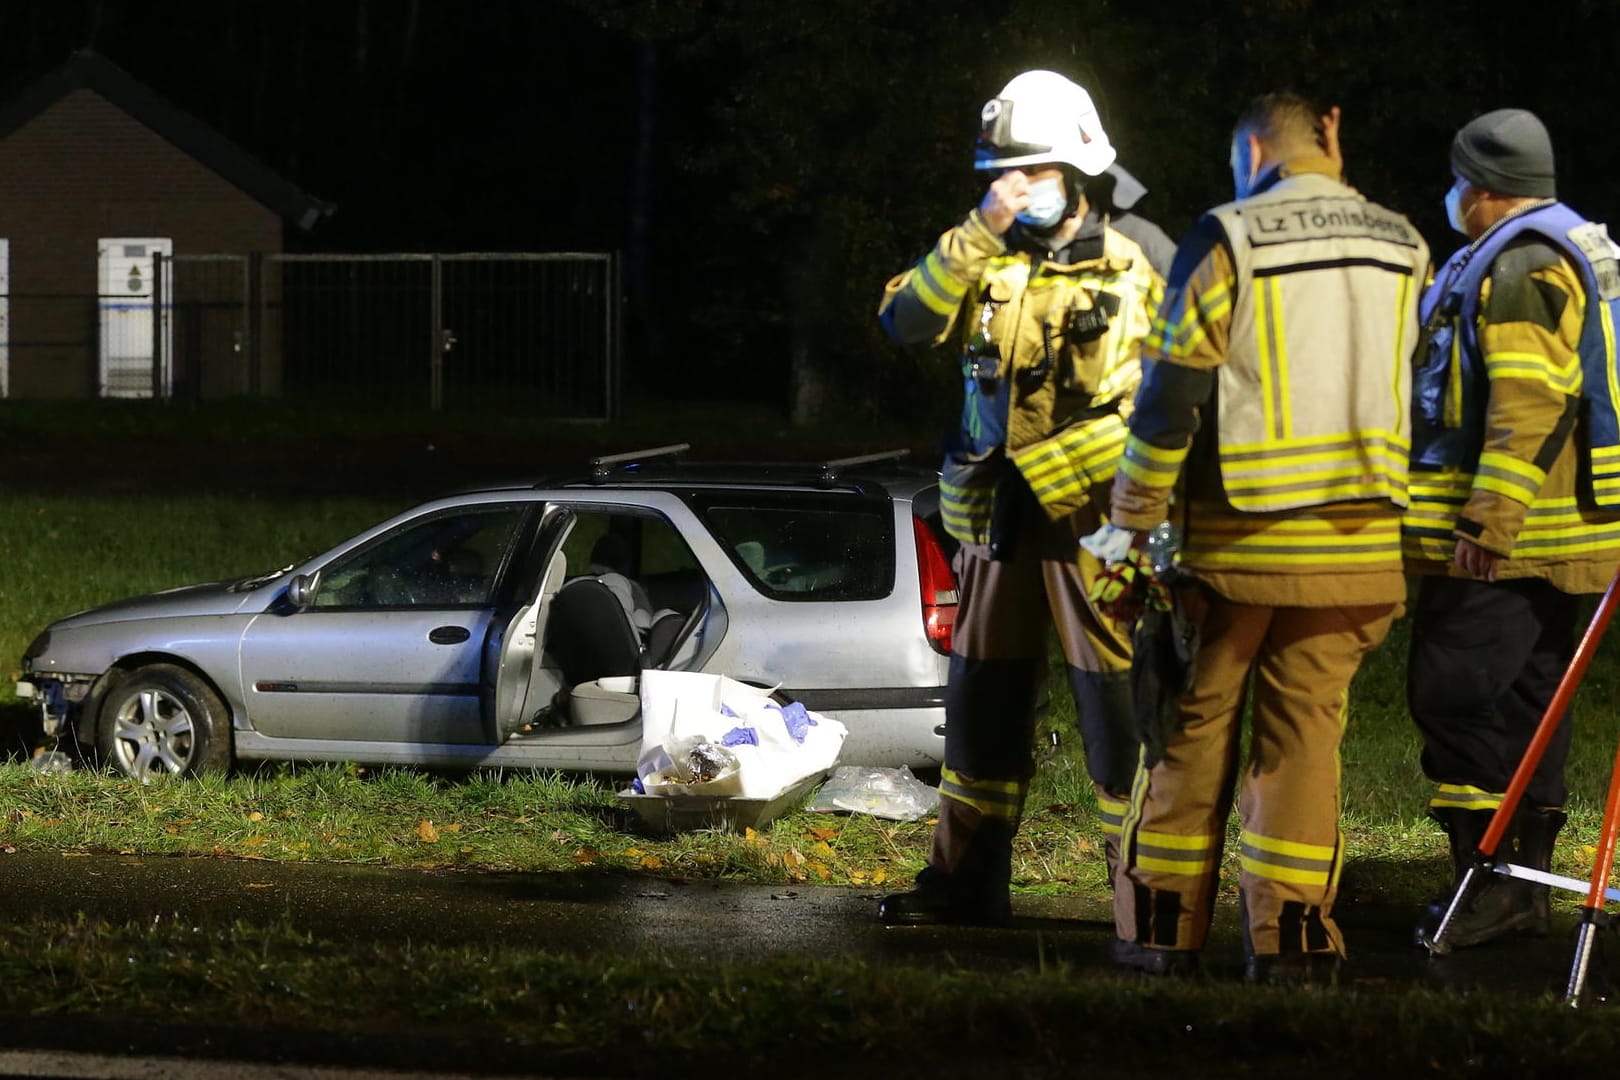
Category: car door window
[449,560]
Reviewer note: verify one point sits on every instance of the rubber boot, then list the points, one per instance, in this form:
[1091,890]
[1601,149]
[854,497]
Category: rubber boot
[1463,829]
[1496,905]
[968,878]
[1538,831]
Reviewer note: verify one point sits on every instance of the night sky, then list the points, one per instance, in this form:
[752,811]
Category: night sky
[763,167]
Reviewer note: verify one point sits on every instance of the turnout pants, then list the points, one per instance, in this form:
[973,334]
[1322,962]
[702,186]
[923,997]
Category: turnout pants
[997,664]
[1485,661]
[1293,666]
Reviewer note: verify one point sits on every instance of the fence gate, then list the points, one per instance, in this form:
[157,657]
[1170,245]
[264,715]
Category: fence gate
[532,332]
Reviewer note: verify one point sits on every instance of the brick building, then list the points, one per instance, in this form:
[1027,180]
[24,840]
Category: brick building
[98,173]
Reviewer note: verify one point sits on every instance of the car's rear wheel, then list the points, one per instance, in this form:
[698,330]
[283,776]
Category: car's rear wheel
[162,720]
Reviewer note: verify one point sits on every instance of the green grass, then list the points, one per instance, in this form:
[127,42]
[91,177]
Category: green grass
[795,1017]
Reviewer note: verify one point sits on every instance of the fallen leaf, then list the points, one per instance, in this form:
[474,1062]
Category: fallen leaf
[822,834]
[879,876]
[261,885]
[255,816]
[651,862]
[427,832]
[817,869]
[749,835]
[452,828]
[822,848]
[633,853]
[584,856]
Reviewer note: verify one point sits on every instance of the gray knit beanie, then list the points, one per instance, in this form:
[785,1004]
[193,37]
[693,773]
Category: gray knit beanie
[1506,151]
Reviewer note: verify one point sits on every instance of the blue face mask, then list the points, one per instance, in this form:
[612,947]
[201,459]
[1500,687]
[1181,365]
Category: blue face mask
[1046,203]
[1455,216]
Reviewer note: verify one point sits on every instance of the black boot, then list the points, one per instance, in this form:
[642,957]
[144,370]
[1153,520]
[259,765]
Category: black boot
[1538,830]
[943,899]
[1495,905]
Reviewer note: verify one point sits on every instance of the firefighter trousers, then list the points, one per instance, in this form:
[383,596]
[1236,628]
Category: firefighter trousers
[1293,667]
[998,662]
[1485,661]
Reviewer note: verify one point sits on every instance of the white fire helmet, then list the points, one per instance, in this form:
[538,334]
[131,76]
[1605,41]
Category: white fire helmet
[1042,117]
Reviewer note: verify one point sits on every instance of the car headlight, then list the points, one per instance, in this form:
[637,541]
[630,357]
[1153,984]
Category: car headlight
[35,648]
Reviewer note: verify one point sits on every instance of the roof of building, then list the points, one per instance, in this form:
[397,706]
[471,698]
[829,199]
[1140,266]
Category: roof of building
[88,70]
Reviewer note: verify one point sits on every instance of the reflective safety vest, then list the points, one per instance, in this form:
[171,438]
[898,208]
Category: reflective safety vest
[1452,388]
[1312,398]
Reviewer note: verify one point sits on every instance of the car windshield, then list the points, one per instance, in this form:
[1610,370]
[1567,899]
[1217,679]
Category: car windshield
[820,547]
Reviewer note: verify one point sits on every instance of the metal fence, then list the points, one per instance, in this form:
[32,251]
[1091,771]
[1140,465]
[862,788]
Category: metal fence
[536,332]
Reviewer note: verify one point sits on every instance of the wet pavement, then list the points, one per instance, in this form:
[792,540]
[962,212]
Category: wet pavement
[719,922]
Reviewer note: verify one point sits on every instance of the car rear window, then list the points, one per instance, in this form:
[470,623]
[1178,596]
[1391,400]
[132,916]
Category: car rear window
[815,547]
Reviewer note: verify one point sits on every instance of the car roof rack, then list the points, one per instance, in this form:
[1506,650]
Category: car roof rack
[830,469]
[604,467]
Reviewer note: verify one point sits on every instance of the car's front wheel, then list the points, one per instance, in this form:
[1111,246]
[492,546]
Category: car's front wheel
[162,720]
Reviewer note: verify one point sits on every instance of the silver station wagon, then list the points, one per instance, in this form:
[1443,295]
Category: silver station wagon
[507,626]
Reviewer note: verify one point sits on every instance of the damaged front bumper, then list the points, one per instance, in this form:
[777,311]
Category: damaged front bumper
[57,696]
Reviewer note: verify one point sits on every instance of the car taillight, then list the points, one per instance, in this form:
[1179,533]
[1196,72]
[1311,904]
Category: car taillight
[938,587]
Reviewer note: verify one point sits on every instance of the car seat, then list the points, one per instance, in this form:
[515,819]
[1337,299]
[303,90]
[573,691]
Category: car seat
[594,643]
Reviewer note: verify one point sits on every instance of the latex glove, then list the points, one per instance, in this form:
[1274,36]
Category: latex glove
[1109,543]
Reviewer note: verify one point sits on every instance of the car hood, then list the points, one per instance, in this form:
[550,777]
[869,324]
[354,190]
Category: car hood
[214,598]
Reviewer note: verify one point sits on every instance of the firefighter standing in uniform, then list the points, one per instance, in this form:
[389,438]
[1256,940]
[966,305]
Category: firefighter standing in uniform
[1515,500]
[1275,389]
[1051,284]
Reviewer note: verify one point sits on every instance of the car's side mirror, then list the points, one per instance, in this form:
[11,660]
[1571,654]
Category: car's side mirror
[301,590]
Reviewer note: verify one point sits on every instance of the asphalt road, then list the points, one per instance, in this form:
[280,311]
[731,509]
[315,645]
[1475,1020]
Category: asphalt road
[588,911]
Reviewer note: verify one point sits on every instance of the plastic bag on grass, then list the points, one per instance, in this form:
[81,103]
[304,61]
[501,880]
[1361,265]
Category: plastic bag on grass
[886,793]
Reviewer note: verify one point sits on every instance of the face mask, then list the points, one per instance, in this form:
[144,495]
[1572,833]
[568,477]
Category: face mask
[1243,171]
[1046,204]
[1454,211]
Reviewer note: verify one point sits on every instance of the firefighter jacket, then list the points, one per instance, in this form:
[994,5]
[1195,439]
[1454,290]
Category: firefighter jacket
[1516,445]
[1283,351]
[1050,359]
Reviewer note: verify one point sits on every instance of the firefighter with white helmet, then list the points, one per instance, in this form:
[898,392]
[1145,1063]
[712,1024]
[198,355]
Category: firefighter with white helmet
[1050,285]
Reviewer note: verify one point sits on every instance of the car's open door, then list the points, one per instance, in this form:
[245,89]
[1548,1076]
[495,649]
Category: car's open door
[518,689]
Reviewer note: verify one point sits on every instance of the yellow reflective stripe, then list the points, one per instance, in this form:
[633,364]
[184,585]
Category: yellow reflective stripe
[1263,300]
[1463,797]
[1111,812]
[1001,799]
[1508,476]
[1172,853]
[1606,454]
[965,512]
[1152,466]
[1400,373]
[940,291]
[1288,860]
[1452,408]
[1534,368]
[1066,466]
[1279,331]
